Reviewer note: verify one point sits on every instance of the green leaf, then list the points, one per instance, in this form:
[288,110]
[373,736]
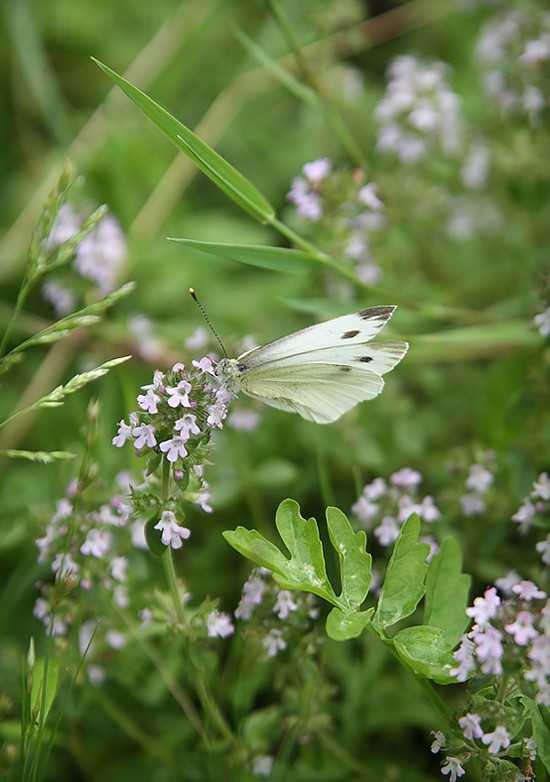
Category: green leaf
[447,590]
[343,625]
[44,457]
[403,586]
[540,720]
[87,316]
[222,173]
[279,259]
[44,688]
[305,570]
[355,562]
[426,651]
[153,537]
[301,91]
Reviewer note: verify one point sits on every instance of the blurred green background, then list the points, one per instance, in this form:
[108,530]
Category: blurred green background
[476,378]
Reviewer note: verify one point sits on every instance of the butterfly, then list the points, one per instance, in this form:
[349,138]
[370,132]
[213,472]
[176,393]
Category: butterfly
[320,372]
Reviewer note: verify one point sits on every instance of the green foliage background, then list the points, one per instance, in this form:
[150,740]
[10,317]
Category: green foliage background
[480,383]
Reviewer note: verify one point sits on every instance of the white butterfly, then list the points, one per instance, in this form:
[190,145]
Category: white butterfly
[320,372]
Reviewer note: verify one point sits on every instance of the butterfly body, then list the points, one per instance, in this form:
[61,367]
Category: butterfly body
[320,372]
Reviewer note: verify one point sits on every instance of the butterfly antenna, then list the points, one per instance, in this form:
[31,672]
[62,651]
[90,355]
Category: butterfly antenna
[207,320]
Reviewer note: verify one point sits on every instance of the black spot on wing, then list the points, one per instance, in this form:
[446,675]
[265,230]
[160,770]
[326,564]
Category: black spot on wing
[376,312]
[350,334]
[345,369]
[364,359]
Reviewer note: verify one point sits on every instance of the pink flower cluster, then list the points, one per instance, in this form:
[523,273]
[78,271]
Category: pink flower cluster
[385,506]
[508,629]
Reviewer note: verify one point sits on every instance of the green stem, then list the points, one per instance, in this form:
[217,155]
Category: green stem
[22,295]
[321,257]
[130,727]
[332,114]
[207,700]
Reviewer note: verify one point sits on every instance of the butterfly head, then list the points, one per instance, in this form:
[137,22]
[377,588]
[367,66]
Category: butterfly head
[228,373]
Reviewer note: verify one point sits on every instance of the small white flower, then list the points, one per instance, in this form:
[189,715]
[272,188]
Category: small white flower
[406,478]
[124,433]
[484,608]
[179,394]
[262,765]
[145,436]
[542,322]
[115,639]
[204,365]
[479,479]
[172,533]
[376,489]
[439,741]
[524,516]
[244,420]
[541,487]
[219,625]
[174,448]
[216,415]
[453,767]
[368,196]
[364,509]
[522,629]
[527,590]
[64,565]
[543,547]
[96,675]
[149,401]
[317,170]
[119,568]
[472,504]
[465,656]
[187,426]
[506,583]
[97,543]
[137,532]
[428,509]
[274,643]
[198,339]
[471,726]
[387,531]
[285,604]
[497,740]
[489,649]
[253,592]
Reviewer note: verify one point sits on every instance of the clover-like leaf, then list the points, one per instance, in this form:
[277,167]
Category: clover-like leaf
[306,571]
[447,591]
[425,650]
[403,586]
[343,625]
[222,173]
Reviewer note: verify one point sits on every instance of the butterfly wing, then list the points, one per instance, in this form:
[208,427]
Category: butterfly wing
[317,391]
[347,330]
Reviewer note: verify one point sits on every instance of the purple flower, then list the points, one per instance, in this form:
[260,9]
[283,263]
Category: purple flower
[179,394]
[187,426]
[174,448]
[274,643]
[145,436]
[149,401]
[471,726]
[219,625]
[497,740]
[522,629]
[317,170]
[489,649]
[285,604]
[97,543]
[124,433]
[465,656]
[485,608]
[368,196]
[387,531]
[204,365]
[527,590]
[453,767]
[479,479]
[406,478]
[172,533]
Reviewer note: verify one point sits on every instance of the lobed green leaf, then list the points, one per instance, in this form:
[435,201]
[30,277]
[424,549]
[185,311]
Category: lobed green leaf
[426,651]
[447,590]
[343,625]
[222,173]
[355,562]
[403,586]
